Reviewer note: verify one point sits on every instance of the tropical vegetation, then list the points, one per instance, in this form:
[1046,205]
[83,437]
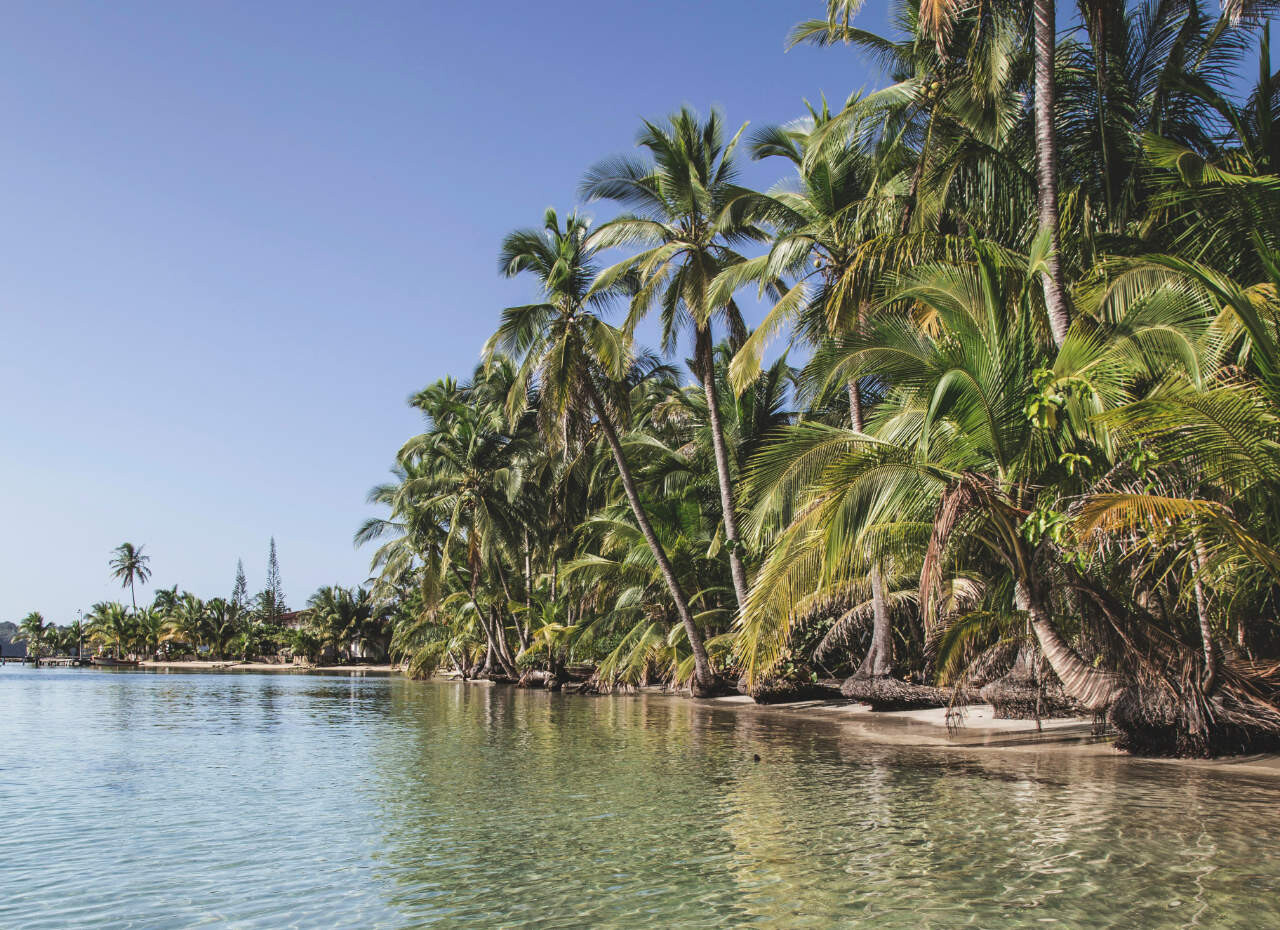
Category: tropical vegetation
[338,625]
[1020,442]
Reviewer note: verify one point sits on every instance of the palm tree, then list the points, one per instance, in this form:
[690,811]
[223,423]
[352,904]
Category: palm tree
[150,624]
[339,615]
[689,214]
[572,355]
[186,621]
[111,623]
[822,228]
[462,469]
[34,631]
[129,565]
[224,621]
[936,20]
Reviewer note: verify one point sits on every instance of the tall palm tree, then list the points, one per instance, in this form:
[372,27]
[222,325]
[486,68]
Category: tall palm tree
[936,20]
[689,214]
[573,355]
[822,226]
[129,564]
[462,469]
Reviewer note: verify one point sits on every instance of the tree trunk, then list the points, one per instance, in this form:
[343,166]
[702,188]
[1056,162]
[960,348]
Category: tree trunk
[878,662]
[489,633]
[1206,628]
[704,680]
[1093,688]
[525,628]
[501,649]
[708,373]
[1055,291]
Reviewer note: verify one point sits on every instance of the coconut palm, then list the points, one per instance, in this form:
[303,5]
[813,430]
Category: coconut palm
[224,621]
[110,623]
[130,565]
[34,632]
[954,460]
[689,214]
[149,624]
[462,468]
[186,622]
[565,348]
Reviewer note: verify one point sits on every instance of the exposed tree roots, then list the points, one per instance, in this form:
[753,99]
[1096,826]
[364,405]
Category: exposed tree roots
[783,691]
[885,693]
[1018,697]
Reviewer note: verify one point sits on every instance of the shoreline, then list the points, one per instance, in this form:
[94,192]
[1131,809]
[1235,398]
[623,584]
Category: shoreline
[206,665]
[972,729]
[978,732]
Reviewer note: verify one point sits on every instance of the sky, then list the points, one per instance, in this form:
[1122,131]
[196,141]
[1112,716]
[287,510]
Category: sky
[236,236]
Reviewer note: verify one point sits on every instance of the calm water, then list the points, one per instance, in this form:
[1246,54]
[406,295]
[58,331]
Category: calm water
[268,801]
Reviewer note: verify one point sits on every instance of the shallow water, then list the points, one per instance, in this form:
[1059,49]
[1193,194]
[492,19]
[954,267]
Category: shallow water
[136,799]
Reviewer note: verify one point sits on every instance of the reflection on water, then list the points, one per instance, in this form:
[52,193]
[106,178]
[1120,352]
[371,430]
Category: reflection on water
[145,800]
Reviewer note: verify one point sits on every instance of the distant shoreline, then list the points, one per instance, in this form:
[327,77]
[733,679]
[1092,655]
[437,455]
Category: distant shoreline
[231,665]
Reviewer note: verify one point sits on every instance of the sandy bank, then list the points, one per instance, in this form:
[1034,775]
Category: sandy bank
[976,728]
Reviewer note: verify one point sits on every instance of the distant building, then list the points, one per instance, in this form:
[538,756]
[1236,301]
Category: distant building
[13,650]
[294,619]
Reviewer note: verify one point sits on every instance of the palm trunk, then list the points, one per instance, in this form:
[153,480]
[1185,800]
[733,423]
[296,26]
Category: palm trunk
[1206,628]
[1093,688]
[526,627]
[1055,291]
[484,620]
[704,680]
[878,662]
[501,649]
[707,366]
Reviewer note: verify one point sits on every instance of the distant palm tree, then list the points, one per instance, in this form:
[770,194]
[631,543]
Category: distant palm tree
[150,624]
[187,622]
[130,565]
[111,623]
[225,622]
[33,631]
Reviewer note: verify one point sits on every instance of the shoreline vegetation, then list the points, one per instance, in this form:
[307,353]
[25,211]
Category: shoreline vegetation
[1022,448]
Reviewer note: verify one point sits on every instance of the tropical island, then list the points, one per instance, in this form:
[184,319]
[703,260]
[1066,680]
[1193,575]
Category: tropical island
[1007,431]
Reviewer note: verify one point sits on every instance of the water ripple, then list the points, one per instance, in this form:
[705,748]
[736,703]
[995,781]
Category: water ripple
[138,800]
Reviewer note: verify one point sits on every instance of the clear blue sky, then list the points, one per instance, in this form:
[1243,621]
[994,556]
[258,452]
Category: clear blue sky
[236,236]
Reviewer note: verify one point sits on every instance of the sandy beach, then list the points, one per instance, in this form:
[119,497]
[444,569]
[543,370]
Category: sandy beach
[975,728]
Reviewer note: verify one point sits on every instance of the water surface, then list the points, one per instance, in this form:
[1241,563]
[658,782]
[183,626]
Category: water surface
[135,799]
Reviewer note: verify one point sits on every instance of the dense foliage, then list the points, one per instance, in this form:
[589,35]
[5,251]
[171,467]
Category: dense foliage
[1029,448]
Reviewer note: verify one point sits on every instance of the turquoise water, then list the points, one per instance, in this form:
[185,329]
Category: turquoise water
[134,799]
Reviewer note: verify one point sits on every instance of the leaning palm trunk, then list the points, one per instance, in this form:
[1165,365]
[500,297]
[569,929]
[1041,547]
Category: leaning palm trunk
[707,372]
[1093,688]
[1206,626]
[703,679]
[1055,291]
